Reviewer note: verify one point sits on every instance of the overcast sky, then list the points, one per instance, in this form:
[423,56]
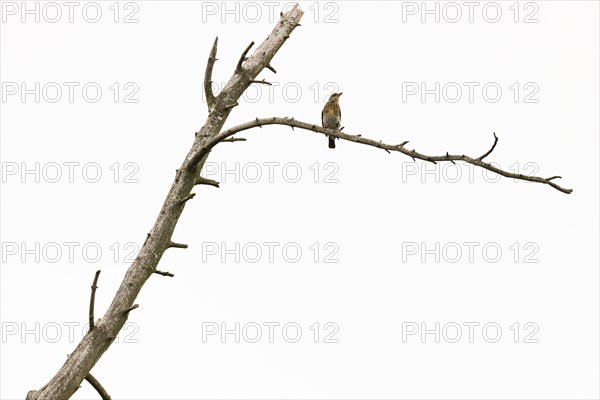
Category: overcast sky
[310,273]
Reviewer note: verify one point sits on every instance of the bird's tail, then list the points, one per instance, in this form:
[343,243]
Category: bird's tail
[331,142]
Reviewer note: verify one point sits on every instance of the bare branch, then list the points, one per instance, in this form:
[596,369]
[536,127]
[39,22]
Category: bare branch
[163,273]
[487,153]
[271,68]
[210,96]
[234,139]
[133,307]
[96,385]
[203,181]
[187,198]
[92,346]
[177,245]
[380,145]
[448,155]
[247,69]
[93,300]
[262,82]
[243,58]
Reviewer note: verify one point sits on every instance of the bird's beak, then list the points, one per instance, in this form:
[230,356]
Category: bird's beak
[339,94]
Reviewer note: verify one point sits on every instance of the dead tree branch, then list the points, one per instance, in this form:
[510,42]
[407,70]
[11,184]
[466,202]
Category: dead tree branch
[210,96]
[234,139]
[200,180]
[96,385]
[239,68]
[415,155]
[263,82]
[187,198]
[177,245]
[93,300]
[93,345]
[487,153]
[129,309]
[163,273]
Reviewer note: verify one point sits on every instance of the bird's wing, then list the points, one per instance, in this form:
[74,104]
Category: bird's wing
[322,115]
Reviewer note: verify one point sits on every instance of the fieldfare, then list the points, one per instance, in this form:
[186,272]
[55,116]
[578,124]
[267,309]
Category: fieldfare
[331,116]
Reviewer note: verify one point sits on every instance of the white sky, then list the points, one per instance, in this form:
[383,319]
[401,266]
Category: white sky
[383,218]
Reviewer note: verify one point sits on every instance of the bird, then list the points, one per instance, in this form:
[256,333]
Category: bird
[331,116]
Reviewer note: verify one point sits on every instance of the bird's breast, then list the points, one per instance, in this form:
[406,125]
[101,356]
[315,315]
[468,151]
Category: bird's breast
[331,120]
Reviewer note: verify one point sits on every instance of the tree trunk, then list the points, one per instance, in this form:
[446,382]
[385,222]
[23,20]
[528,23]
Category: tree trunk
[97,341]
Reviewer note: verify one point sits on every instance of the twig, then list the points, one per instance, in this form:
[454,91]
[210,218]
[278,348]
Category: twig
[452,161]
[96,385]
[133,307]
[490,150]
[243,58]
[210,96]
[234,139]
[203,181]
[93,300]
[271,68]
[187,198]
[369,142]
[262,82]
[163,273]
[177,245]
